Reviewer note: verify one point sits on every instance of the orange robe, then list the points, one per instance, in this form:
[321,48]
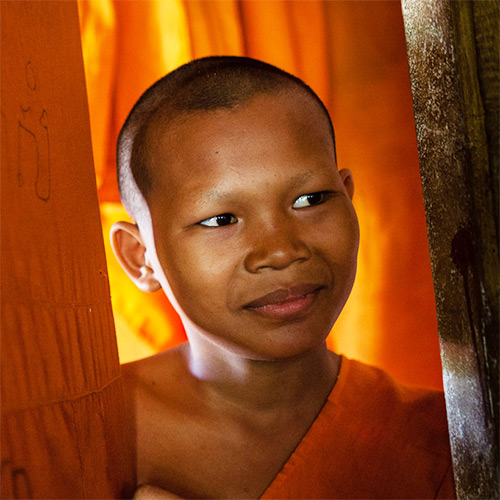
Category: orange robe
[374,438]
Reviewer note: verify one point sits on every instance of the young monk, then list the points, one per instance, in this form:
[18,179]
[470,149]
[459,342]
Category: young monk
[228,168]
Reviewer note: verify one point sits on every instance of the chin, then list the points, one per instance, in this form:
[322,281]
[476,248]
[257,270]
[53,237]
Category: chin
[282,345]
[264,339]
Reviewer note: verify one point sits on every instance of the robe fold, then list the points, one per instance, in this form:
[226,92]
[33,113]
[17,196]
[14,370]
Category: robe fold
[373,438]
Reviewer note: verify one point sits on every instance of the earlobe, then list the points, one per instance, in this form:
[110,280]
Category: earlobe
[346,176]
[130,251]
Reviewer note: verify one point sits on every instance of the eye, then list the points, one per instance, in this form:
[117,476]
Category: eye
[219,220]
[311,199]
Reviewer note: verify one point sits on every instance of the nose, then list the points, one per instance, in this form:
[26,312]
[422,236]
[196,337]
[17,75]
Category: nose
[275,246]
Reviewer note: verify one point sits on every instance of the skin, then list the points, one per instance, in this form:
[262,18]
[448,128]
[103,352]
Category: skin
[218,417]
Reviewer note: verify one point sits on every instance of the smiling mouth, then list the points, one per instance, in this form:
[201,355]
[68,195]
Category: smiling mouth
[286,303]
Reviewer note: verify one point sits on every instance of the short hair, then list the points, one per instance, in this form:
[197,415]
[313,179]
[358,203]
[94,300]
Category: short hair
[206,84]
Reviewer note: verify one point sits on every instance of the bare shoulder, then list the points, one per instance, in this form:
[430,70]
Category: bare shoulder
[159,397]
[155,368]
[157,387]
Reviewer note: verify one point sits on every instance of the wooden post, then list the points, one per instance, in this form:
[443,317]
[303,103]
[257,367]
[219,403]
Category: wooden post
[453,57]
[62,434]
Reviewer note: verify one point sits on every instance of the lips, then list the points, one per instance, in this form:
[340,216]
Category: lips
[283,303]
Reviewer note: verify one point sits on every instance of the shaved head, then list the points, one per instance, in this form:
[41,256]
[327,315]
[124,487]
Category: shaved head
[203,85]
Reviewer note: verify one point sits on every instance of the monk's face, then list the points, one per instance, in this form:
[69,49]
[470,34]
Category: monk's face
[254,231]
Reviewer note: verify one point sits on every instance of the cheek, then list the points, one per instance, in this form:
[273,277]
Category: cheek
[338,236]
[198,275]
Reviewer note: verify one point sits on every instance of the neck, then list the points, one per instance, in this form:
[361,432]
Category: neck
[234,380]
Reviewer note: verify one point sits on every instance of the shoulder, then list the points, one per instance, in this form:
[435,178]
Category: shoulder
[163,361]
[415,412]
[404,430]
[163,373]
[374,438]
[161,408]
[156,387]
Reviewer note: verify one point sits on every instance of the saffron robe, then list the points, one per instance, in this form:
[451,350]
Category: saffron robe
[373,438]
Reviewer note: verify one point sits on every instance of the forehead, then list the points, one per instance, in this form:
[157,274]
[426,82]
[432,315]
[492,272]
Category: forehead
[287,125]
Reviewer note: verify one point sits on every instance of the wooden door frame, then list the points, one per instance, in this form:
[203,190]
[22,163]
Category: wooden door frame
[453,54]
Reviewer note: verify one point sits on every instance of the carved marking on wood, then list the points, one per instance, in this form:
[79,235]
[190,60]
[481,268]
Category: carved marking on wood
[33,144]
[17,479]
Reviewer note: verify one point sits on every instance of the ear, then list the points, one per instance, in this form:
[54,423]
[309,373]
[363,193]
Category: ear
[346,177]
[130,251]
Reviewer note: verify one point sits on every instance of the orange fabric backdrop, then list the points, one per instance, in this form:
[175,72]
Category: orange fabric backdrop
[354,55]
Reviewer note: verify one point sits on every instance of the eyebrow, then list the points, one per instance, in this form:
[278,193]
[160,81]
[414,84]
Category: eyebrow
[216,195]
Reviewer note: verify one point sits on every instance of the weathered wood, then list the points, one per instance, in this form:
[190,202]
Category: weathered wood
[453,58]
